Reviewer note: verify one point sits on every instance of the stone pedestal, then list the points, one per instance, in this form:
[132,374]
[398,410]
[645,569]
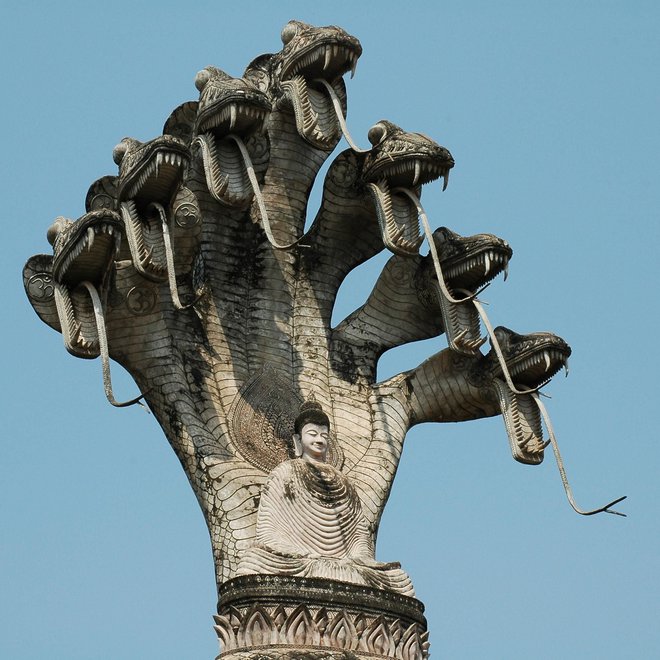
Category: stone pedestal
[264,617]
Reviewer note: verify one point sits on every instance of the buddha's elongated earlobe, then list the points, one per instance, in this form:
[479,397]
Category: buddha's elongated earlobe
[297,446]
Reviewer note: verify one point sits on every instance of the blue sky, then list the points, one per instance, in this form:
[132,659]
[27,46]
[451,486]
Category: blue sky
[550,110]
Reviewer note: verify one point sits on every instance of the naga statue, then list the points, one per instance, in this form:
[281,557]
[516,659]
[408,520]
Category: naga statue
[192,269]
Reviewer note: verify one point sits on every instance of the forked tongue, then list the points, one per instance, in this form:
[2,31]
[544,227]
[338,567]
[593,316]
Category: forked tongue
[459,316]
[169,258]
[259,197]
[103,345]
[336,104]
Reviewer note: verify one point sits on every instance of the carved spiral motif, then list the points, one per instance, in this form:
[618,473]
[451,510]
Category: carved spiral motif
[257,146]
[101,201]
[141,300]
[344,173]
[40,287]
[186,215]
[401,273]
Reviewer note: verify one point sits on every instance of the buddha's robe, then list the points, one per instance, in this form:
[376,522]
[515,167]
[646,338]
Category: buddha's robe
[310,524]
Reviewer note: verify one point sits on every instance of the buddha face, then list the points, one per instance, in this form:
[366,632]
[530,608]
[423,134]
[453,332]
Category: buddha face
[313,441]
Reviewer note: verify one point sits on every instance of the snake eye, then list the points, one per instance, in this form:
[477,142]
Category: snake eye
[376,134]
[202,78]
[444,234]
[500,334]
[289,31]
[58,226]
[119,152]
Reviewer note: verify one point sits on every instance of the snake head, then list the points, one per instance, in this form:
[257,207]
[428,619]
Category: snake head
[291,78]
[399,159]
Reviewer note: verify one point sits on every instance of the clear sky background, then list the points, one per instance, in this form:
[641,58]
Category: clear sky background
[551,111]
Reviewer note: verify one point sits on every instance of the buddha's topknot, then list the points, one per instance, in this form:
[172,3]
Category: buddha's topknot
[311,412]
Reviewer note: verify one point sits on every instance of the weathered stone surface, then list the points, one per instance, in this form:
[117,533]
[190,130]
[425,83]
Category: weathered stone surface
[311,523]
[285,616]
[191,268]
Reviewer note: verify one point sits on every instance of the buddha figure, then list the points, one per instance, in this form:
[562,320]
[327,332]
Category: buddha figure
[310,521]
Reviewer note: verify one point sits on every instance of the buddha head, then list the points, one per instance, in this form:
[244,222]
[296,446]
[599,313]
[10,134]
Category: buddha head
[311,433]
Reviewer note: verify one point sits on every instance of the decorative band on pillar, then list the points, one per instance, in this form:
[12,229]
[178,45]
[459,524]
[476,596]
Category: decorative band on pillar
[270,617]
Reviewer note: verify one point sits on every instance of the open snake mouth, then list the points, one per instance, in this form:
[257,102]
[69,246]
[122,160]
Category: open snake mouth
[411,170]
[149,174]
[228,107]
[470,262]
[399,222]
[233,115]
[326,53]
[145,238]
[531,360]
[406,161]
[456,268]
[84,251]
[310,54]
